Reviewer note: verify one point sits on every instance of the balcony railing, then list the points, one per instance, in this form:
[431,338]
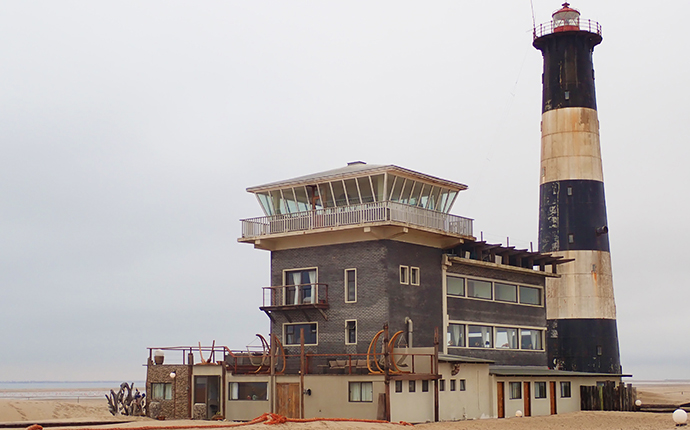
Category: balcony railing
[304,295]
[356,214]
[572,25]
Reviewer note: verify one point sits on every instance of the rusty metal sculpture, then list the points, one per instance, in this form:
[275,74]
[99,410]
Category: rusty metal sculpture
[124,402]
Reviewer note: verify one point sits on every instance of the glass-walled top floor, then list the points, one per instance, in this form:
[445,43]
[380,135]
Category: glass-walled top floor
[358,190]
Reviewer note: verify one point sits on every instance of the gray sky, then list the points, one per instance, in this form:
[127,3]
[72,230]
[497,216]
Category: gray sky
[129,131]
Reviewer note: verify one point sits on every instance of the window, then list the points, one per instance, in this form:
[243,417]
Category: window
[480,336]
[442,385]
[350,285]
[530,339]
[404,275]
[398,386]
[452,385]
[479,289]
[506,292]
[463,385]
[540,390]
[161,391]
[571,238]
[456,335]
[412,386]
[248,391]
[292,334]
[425,386]
[530,296]
[506,338]
[350,332]
[565,388]
[300,286]
[414,275]
[455,286]
[515,390]
[361,391]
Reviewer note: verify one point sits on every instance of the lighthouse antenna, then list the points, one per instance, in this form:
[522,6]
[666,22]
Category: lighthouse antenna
[534,21]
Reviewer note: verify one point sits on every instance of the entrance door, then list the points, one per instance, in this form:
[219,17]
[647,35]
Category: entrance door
[287,398]
[527,395]
[553,397]
[207,391]
[501,400]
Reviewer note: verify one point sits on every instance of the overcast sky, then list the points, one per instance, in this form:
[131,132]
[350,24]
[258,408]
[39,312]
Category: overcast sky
[129,131]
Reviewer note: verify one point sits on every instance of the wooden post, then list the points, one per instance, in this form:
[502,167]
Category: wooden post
[272,378]
[301,373]
[434,367]
[386,372]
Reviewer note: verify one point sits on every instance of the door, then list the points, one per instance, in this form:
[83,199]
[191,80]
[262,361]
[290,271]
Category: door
[207,391]
[501,400]
[287,398]
[552,385]
[527,395]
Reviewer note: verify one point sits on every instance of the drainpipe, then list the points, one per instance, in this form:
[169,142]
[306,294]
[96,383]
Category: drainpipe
[410,331]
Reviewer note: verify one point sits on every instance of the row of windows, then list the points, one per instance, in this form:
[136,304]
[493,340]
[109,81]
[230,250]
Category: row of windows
[483,336]
[488,290]
[412,385]
[515,390]
[409,275]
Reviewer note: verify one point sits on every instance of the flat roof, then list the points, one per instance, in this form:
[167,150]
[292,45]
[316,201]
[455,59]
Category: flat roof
[545,371]
[353,170]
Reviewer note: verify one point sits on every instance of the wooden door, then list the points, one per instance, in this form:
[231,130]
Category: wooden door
[527,395]
[501,400]
[287,398]
[553,397]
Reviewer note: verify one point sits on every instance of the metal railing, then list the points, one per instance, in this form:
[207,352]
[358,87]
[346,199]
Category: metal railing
[356,214]
[581,24]
[296,295]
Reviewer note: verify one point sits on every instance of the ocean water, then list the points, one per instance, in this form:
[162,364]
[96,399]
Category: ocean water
[67,390]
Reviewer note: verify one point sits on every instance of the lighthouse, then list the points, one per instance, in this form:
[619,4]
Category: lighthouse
[581,312]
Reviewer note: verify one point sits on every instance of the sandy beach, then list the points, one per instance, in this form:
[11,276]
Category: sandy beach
[18,413]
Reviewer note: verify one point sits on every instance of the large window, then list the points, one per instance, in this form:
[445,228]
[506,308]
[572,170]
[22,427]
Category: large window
[515,390]
[540,390]
[506,292]
[506,338]
[530,296]
[455,286]
[248,391]
[456,335]
[300,286]
[565,388]
[479,289]
[479,336]
[531,339]
[161,391]
[361,391]
[350,285]
[350,332]
[292,334]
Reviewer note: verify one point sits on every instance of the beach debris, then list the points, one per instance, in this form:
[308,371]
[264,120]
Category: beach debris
[124,402]
[35,427]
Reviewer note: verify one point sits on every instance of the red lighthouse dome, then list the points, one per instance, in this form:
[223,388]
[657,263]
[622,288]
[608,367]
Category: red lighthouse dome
[566,19]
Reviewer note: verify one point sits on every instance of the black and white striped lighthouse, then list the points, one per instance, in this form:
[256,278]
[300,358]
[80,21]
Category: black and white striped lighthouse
[581,310]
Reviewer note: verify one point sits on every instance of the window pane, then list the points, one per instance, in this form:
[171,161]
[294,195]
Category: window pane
[531,339]
[398,386]
[506,292]
[540,390]
[506,338]
[424,197]
[456,335]
[480,336]
[351,282]
[326,196]
[479,289]
[351,332]
[248,391]
[266,203]
[303,203]
[377,183]
[414,275]
[365,190]
[425,386]
[455,286]
[292,334]
[463,385]
[449,202]
[278,202]
[355,391]
[396,183]
[367,391]
[404,275]
[530,296]
[515,390]
[352,192]
[339,193]
[289,197]
[565,389]
[412,386]
[414,190]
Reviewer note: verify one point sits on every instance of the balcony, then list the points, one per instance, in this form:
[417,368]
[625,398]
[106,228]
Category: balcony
[295,297]
[354,215]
